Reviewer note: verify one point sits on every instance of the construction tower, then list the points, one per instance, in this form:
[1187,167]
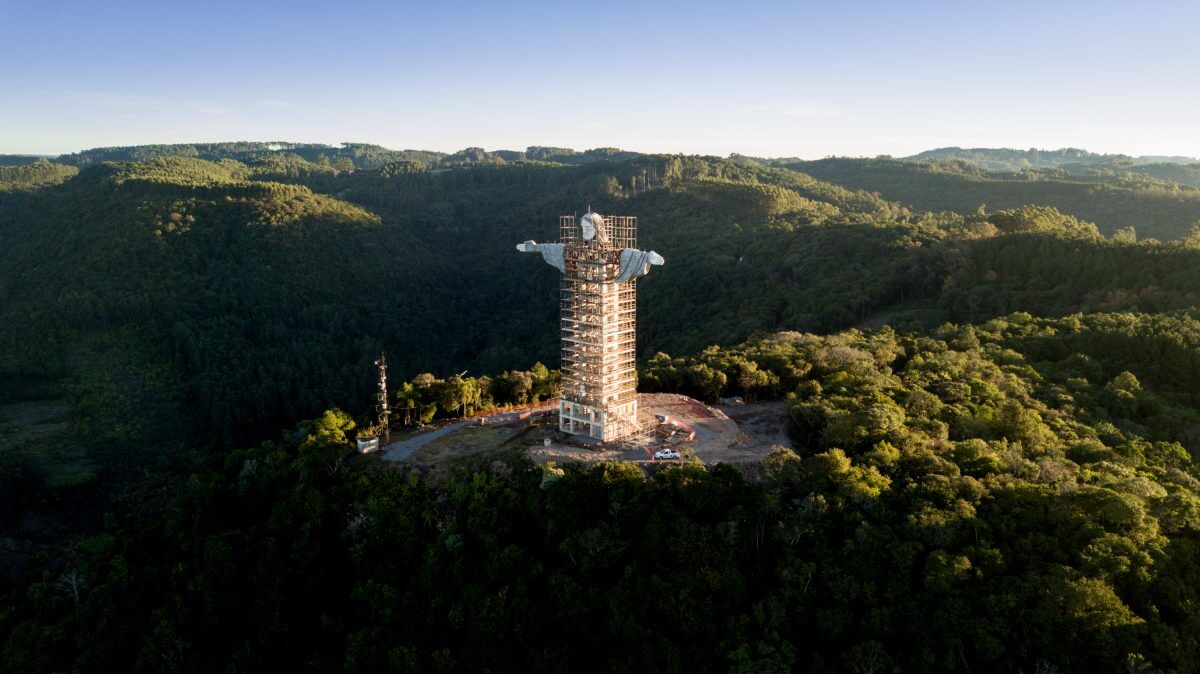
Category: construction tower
[381,400]
[600,264]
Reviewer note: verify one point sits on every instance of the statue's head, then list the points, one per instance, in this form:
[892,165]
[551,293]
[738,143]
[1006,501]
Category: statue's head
[593,227]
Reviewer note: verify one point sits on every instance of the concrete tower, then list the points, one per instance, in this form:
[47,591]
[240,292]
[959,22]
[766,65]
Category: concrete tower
[600,263]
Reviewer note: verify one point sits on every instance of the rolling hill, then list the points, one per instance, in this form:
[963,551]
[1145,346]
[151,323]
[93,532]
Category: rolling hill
[1003,159]
[247,295]
[1157,208]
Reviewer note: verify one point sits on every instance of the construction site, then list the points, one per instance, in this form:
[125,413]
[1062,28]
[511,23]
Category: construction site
[599,415]
[688,429]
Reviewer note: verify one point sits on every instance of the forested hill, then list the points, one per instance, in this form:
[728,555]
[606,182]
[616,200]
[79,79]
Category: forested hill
[1017,496]
[240,296]
[347,156]
[251,302]
[1004,159]
[1159,201]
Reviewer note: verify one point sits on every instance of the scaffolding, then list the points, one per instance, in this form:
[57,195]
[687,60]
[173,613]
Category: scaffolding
[600,264]
[599,332]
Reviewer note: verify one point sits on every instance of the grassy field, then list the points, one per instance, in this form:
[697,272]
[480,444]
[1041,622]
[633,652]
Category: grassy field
[464,442]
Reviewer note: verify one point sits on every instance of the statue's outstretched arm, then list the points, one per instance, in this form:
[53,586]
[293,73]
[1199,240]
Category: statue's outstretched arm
[635,263]
[552,253]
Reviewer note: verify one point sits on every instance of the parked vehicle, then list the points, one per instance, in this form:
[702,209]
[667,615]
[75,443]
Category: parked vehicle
[666,454]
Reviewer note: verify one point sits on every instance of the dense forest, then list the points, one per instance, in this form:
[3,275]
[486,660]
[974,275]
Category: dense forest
[990,378]
[1012,496]
[313,270]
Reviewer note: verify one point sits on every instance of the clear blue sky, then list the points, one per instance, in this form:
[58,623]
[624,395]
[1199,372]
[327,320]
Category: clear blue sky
[776,79]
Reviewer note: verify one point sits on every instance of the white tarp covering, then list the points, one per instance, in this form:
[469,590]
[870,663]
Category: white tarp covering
[635,263]
[552,253]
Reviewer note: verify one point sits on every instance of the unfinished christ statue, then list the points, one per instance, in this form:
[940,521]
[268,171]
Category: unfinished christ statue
[632,262]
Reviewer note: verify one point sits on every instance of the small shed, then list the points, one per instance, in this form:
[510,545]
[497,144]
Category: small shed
[368,444]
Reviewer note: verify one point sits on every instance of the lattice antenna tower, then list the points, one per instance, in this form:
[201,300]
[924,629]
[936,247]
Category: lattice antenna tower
[381,400]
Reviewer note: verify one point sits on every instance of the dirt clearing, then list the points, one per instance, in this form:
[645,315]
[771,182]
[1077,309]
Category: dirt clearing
[722,434]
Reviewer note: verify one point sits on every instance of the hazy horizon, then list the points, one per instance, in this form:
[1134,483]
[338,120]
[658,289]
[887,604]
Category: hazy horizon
[584,149]
[766,79]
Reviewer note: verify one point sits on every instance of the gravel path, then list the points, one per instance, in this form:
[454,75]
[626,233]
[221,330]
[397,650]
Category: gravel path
[402,449]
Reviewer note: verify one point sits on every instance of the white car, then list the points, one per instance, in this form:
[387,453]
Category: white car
[666,454]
